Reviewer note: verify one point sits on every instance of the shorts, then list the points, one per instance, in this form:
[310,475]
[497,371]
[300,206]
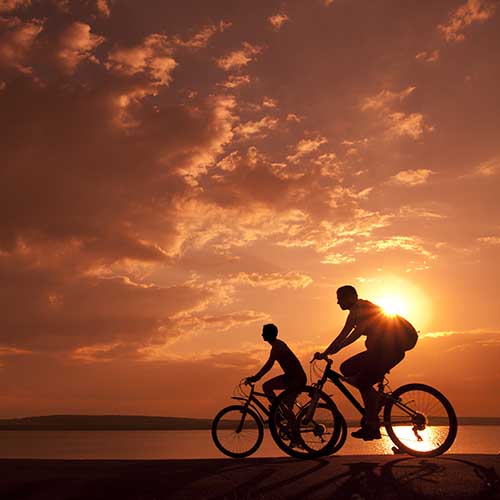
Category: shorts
[370,367]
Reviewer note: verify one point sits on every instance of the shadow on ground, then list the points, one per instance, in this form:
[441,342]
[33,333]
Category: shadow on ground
[341,477]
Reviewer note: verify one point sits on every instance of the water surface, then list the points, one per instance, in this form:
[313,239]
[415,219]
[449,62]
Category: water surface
[193,444]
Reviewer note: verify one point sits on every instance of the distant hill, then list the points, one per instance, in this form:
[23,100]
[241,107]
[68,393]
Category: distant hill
[104,422]
[143,422]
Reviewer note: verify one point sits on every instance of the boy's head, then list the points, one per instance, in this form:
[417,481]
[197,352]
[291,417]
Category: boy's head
[347,296]
[269,332]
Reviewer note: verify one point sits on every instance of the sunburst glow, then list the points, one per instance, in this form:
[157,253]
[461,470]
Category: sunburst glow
[393,304]
[398,296]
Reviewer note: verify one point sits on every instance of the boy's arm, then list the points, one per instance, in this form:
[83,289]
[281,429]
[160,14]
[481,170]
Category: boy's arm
[347,336]
[268,365]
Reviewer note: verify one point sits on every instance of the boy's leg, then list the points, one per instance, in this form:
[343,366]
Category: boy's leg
[274,384]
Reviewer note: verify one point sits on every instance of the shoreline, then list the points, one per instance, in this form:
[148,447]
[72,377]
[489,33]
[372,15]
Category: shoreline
[151,423]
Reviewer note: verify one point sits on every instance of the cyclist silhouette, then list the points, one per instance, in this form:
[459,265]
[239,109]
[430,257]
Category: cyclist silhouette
[387,339]
[294,376]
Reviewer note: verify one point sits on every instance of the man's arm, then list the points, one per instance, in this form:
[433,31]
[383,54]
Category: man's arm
[347,336]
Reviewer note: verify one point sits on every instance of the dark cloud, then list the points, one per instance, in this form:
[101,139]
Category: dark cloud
[51,309]
[73,172]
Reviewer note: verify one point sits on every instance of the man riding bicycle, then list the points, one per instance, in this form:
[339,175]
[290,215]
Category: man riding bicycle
[387,339]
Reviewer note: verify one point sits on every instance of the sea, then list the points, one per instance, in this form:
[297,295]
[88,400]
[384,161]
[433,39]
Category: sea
[189,444]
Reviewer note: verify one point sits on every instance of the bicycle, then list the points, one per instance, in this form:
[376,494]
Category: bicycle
[238,430]
[417,417]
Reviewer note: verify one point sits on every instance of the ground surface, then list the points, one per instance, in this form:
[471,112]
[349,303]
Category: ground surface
[338,477]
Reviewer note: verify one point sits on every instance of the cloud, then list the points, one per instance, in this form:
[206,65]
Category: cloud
[193,323]
[385,99]
[13,351]
[201,39]
[239,58]
[103,8]
[406,125]
[292,117]
[10,5]
[419,212]
[249,129]
[104,205]
[267,102]
[234,81]
[490,240]
[356,224]
[234,359]
[76,44]
[479,332]
[232,216]
[337,259]
[272,281]
[100,353]
[487,169]
[397,124]
[329,165]
[53,308]
[305,147]
[428,56]
[472,11]
[152,58]
[277,20]
[408,243]
[17,41]
[411,177]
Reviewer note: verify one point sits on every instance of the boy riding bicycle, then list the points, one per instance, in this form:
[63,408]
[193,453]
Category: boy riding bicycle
[294,376]
[387,339]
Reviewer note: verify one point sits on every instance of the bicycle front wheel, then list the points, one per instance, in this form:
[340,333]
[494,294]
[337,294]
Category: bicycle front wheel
[237,431]
[301,432]
[420,420]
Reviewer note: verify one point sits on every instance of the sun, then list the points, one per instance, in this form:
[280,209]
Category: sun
[393,304]
[396,295]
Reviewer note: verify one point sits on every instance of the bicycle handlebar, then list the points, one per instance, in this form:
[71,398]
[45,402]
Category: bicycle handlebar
[324,358]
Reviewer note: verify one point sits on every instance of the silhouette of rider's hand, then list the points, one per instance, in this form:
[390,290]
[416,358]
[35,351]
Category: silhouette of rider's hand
[319,355]
[251,380]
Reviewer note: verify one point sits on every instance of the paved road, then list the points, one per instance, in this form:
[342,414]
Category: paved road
[338,477]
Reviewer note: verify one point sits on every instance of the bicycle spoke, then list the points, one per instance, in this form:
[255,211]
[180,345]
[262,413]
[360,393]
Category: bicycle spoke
[237,432]
[421,421]
[305,426]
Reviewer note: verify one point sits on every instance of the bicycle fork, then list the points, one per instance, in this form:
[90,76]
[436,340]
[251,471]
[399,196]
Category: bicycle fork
[312,407]
[315,398]
[244,412]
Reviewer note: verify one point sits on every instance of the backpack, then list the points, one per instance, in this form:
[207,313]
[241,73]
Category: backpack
[405,335]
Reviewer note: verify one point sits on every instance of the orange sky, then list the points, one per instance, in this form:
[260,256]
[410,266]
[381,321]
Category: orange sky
[175,174]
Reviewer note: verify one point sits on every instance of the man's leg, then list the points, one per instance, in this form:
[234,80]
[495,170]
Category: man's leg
[370,400]
[376,366]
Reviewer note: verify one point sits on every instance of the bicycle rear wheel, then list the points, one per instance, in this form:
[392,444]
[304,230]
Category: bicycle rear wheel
[237,431]
[297,432]
[420,420]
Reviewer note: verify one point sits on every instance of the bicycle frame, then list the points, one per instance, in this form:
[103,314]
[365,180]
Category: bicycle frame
[336,378]
[252,401]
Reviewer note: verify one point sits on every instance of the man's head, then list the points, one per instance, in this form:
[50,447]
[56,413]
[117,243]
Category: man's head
[269,332]
[346,297]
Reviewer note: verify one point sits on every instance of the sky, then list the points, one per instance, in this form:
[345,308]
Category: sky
[176,174]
